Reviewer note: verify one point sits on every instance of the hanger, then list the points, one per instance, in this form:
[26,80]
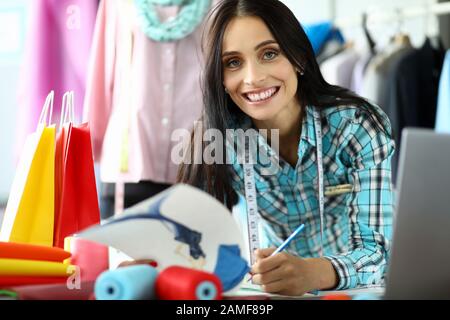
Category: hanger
[369,38]
[400,38]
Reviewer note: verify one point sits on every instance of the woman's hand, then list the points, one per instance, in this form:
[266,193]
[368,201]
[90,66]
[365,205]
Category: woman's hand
[283,273]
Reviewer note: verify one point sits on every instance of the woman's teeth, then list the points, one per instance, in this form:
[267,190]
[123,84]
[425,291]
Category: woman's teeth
[261,96]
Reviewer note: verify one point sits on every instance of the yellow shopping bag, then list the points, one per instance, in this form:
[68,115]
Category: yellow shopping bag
[29,214]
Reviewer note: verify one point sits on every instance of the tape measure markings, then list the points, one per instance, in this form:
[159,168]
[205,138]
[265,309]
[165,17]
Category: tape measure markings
[250,192]
[319,147]
[252,206]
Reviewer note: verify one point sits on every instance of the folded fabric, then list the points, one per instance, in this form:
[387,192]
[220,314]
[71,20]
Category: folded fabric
[231,268]
[16,267]
[12,250]
[320,33]
[12,281]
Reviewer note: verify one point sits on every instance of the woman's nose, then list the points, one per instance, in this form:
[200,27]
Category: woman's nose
[254,75]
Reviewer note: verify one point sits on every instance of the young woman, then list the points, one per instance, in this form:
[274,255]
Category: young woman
[334,146]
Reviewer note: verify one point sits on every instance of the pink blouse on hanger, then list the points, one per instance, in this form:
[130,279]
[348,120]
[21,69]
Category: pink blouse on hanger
[57,50]
[139,91]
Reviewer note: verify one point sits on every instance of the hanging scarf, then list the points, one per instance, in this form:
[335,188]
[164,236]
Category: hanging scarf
[189,17]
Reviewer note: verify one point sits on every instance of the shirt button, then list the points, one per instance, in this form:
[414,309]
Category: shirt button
[169,52]
[167,87]
[165,121]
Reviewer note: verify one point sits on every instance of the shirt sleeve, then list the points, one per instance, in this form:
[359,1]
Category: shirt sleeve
[368,152]
[100,78]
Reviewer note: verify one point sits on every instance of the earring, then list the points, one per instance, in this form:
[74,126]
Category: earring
[226,90]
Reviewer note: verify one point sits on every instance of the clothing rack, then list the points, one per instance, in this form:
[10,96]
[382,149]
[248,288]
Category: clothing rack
[396,15]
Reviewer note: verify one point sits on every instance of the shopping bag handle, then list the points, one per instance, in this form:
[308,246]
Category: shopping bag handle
[47,110]
[67,108]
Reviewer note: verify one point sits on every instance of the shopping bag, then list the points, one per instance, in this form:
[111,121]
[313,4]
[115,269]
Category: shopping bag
[29,214]
[76,202]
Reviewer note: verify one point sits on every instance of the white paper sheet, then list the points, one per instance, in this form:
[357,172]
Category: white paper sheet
[142,238]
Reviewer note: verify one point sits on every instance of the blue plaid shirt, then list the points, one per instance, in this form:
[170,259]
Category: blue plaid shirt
[357,224]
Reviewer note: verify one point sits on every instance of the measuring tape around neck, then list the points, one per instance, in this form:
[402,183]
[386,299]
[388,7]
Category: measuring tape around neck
[251,200]
[252,206]
[318,130]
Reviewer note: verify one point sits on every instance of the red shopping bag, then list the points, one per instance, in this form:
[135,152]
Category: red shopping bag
[76,202]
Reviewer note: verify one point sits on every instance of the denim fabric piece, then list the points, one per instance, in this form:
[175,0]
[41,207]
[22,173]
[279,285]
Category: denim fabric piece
[230,267]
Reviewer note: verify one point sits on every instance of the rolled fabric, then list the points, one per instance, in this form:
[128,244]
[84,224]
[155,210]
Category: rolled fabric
[16,267]
[12,250]
[180,283]
[92,258]
[129,283]
[11,281]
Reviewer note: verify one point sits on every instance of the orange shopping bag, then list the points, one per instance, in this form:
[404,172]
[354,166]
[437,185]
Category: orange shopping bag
[76,202]
[29,214]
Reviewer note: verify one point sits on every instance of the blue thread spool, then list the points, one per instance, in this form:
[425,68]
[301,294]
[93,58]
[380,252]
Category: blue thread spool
[366,296]
[128,283]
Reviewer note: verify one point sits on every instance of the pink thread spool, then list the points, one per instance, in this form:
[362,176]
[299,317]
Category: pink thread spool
[92,258]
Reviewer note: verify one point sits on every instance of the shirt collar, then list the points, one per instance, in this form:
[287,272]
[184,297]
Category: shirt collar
[308,133]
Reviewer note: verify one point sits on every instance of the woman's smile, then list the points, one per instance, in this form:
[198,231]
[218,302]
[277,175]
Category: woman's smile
[261,96]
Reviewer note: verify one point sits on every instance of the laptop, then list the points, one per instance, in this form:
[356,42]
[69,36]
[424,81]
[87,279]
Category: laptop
[419,266]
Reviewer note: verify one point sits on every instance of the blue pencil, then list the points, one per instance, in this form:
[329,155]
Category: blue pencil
[285,243]
[288,240]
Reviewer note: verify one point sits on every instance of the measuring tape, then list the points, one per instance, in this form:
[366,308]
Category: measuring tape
[318,129]
[251,200]
[252,206]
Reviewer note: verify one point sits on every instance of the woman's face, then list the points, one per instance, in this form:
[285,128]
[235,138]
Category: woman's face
[258,77]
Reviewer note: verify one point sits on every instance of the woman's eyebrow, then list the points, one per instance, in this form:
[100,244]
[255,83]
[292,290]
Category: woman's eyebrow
[262,44]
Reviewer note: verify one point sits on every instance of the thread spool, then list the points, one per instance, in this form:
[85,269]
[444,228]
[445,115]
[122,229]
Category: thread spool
[92,258]
[129,283]
[180,283]
[366,296]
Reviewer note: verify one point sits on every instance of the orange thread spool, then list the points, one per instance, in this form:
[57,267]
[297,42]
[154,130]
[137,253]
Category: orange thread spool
[180,283]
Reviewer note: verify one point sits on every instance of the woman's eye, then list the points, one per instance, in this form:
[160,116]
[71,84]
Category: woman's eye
[269,55]
[233,63]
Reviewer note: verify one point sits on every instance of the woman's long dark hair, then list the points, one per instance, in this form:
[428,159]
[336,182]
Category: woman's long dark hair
[219,109]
